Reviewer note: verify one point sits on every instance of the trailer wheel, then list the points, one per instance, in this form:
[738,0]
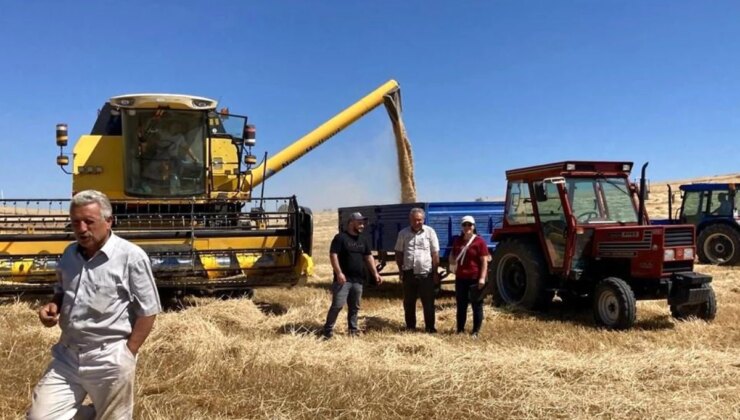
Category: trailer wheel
[706,311]
[719,244]
[614,304]
[520,273]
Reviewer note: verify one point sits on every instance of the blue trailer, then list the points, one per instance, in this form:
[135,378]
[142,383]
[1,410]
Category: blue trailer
[385,221]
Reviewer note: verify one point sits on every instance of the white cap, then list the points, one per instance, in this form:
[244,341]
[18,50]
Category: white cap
[467,219]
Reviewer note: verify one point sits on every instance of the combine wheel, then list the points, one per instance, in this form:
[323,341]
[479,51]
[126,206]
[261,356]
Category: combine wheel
[614,304]
[706,311]
[719,244]
[519,274]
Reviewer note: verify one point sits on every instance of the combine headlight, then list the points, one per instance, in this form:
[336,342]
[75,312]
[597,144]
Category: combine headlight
[688,253]
[626,167]
[125,101]
[199,103]
[669,255]
[570,166]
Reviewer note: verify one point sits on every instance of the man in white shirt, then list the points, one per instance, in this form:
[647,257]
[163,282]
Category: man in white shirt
[105,302]
[417,257]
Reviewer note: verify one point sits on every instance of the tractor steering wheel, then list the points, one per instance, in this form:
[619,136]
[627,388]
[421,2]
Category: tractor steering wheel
[586,216]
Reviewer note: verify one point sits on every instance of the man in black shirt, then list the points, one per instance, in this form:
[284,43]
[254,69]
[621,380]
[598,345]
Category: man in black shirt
[349,255]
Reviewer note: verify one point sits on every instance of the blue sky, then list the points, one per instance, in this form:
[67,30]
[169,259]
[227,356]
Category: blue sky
[486,86]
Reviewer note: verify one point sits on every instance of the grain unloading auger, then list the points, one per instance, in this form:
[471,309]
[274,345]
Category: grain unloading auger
[181,177]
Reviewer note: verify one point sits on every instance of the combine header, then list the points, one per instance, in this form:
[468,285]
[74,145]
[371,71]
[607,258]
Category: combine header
[181,177]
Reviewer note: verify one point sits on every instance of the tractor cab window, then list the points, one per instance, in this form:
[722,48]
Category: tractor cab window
[721,204]
[552,220]
[519,202]
[601,200]
[692,210]
[164,152]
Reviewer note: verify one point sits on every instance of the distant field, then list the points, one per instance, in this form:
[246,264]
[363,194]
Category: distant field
[261,358]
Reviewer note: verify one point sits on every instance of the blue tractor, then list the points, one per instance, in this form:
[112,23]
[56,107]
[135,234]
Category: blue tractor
[713,209]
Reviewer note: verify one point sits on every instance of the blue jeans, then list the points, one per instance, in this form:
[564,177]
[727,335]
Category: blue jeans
[348,294]
[462,297]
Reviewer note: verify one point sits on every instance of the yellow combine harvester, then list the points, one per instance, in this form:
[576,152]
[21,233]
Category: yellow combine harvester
[181,177]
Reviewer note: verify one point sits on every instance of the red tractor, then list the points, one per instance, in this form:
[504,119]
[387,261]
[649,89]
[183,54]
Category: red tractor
[579,229]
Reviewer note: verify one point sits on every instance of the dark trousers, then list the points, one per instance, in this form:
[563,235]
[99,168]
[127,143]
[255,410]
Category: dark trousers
[348,294]
[418,287]
[462,296]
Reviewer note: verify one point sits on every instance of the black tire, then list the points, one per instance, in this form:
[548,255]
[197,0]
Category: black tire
[520,274]
[496,300]
[706,311]
[719,244]
[614,304]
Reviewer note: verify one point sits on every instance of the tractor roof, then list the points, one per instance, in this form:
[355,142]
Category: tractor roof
[163,100]
[570,168]
[707,186]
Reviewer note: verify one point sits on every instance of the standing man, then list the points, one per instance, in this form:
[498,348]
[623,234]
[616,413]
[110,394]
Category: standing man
[417,256]
[350,254]
[105,302]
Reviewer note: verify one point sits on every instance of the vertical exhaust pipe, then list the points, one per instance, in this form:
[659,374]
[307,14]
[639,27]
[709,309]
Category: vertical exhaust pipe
[643,190]
[670,202]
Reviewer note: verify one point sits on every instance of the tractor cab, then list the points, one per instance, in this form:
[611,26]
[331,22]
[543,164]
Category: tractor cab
[713,208]
[579,229]
[562,204]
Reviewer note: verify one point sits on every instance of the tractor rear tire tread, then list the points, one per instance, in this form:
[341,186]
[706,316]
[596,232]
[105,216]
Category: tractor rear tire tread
[732,234]
[528,253]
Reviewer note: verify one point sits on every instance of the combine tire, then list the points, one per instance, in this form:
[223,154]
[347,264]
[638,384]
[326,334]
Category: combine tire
[614,304]
[706,311]
[520,274]
[719,244]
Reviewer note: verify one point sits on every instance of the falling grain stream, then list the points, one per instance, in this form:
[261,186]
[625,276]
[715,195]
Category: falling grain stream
[403,148]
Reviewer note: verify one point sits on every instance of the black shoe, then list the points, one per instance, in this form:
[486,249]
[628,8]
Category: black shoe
[410,329]
[474,335]
[431,330]
[354,333]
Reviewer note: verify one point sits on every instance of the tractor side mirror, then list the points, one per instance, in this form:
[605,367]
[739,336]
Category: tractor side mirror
[540,192]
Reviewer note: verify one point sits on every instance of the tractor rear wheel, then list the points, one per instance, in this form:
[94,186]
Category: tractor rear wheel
[614,304]
[719,244]
[520,275]
[706,311]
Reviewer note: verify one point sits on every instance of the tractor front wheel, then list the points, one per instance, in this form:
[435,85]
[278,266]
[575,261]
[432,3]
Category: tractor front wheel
[614,304]
[706,310]
[719,244]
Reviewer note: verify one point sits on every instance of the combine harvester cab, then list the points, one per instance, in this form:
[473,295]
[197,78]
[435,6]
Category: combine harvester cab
[181,178]
[714,210]
[579,229]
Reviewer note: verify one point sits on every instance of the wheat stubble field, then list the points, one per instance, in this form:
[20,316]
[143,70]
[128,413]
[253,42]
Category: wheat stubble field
[260,358]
